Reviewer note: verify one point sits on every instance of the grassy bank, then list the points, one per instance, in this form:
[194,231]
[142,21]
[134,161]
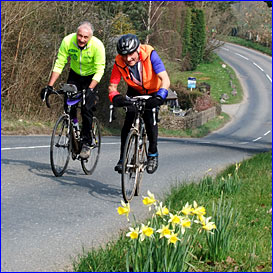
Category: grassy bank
[239,201]
[249,44]
[220,78]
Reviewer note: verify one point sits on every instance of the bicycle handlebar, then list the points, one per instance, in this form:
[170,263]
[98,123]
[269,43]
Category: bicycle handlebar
[69,89]
[134,100]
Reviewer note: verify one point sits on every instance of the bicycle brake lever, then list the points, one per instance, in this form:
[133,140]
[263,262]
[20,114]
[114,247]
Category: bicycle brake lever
[83,96]
[46,100]
[111,112]
[154,117]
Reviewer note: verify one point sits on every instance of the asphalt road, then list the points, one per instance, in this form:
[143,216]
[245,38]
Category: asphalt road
[46,221]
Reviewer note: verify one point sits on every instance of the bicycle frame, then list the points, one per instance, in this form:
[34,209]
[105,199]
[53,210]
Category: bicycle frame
[135,154]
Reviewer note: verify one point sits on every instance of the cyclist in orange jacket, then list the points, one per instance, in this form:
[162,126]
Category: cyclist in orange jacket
[144,72]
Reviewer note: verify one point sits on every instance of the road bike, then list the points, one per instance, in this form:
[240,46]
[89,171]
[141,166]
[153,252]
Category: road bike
[66,138]
[134,160]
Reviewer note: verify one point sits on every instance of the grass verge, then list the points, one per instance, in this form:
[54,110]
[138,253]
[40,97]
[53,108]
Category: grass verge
[221,79]
[243,189]
[249,44]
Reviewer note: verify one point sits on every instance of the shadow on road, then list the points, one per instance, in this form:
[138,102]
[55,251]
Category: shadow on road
[71,178]
[228,143]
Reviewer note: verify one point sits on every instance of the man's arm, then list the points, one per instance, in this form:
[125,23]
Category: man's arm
[93,84]
[114,81]
[165,80]
[113,91]
[53,78]
[99,63]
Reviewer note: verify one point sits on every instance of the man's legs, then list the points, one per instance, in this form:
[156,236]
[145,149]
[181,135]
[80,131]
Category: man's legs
[82,82]
[129,118]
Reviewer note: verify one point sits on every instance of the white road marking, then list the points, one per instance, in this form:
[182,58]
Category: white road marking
[268,77]
[47,146]
[225,48]
[243,143]
[256,139]
[242,56]
[267,133]
[22,148]
[258,66]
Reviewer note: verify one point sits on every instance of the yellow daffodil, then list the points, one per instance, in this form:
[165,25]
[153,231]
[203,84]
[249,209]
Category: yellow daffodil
[148,201]
[164,231]
[133,234]
[185,223]
[237,166]
[125,209]
[207,225]
[187,209]
[146,231]
[198,210]
[174,219]
[161,210]
[172,238]
[201,219]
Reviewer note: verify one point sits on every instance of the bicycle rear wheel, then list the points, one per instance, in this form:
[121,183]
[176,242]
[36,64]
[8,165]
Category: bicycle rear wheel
[89,164]
[60,146]
[129,167]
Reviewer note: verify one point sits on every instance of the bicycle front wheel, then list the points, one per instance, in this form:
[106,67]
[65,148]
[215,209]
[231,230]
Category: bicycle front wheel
[129,167]
[142,157]
[60,146]
[89,164]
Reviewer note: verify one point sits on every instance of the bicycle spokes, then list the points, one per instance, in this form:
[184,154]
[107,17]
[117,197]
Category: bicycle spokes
[60,146]
[89,164]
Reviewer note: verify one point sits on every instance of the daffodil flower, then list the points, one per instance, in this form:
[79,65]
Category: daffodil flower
[174,219]
[201,219]
[237,166]
[164,231]
[185,223]
[125,209]
[148,201]
[133,234]
[146,231]
[187,209]
[207,225]
[161,210]
[198,210]
[172,238]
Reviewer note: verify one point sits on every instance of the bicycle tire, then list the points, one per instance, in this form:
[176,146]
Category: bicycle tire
[142,157]
[60,146]
[89,164]
[129,167]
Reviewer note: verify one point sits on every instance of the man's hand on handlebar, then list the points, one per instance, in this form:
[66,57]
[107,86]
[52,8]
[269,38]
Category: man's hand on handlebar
[120,101]
[154,102]
[45,92]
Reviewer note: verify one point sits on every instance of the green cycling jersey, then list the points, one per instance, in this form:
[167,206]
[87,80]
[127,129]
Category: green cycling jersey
[87,61]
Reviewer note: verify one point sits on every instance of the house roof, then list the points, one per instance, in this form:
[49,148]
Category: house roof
[171,95]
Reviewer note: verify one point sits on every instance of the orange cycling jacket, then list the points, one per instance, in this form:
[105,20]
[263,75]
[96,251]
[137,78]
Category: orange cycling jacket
[150,81]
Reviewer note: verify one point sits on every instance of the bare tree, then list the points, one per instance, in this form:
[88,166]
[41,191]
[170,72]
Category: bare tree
[153,15]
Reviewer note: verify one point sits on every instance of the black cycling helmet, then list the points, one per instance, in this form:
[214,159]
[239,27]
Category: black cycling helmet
[127,44]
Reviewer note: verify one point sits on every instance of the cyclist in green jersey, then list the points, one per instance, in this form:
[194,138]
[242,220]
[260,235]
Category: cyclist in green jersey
[87,64]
